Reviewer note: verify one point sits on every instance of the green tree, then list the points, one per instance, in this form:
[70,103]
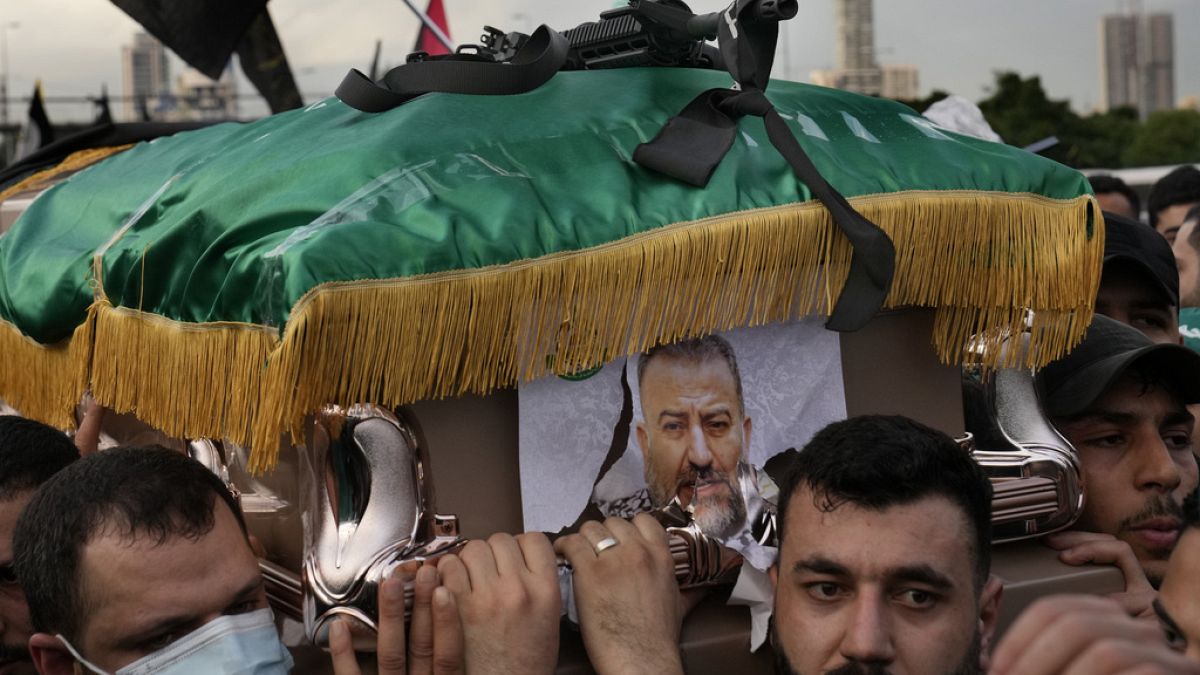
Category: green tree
[1105,138]
[1019,109]
[1021,112]
[1167,137]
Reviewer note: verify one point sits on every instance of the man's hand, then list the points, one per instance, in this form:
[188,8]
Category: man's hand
[87,436]
[506,591]
[435,640]
[1085,635]
[630,610]
[1081,548]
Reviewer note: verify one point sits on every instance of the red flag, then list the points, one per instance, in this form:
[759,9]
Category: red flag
[426,40]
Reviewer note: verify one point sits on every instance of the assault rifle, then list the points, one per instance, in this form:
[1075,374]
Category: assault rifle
[645,33]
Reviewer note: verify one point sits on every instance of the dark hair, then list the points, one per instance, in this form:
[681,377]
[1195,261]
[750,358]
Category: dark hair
[131,492]
[30,453]
[880,461]
[1180,186]
[1193,236]
[697,350]
[1103,182]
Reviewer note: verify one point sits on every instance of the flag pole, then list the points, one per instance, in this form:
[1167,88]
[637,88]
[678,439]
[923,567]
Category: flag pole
[433,27]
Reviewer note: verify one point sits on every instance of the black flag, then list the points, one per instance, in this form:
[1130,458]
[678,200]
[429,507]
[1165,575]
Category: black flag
[266,66]
[38,132]
[103,114]
[206,33]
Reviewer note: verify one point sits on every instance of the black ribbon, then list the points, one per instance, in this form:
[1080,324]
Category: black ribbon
[616,448]
[694,142]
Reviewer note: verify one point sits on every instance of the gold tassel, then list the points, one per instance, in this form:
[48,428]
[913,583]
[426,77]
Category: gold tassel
[45,382]
[987,262]
[188,380]
[74,162]
[982,259]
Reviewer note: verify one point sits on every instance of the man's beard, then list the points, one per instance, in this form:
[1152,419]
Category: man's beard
[968,666]
[1162,506]
[717,515]
[14,654]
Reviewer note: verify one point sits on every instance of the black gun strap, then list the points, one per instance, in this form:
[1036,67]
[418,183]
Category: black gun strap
[542,55]
[747,45]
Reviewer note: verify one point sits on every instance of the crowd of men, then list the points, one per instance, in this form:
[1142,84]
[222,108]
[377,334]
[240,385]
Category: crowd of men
[138,560]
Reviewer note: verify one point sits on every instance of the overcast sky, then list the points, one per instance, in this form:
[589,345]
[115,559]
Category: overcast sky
[74,46]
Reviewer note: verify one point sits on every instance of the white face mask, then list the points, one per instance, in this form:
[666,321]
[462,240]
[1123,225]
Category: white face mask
[234,644]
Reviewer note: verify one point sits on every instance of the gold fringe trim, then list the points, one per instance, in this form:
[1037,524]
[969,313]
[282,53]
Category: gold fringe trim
[74,162]
[45,382]
[980,258]
[188,380]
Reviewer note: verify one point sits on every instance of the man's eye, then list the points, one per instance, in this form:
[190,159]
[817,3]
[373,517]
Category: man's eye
[159,642]
[1109,441]
[1178,441]
[1174,640]
[718,426]
[243,607]
[824,590]
[672,427]
[1149,321]
[917,598]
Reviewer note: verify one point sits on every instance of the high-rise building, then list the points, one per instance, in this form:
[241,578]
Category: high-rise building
[1138,61]
[199,97]
[857,70]
[856,67]
[145,75]
[900,82]
[1158,63]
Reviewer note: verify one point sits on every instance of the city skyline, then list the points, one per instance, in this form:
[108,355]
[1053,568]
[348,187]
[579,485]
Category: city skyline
[149,89]
[78,45]
[856,68]
[1138,62]
[145,73]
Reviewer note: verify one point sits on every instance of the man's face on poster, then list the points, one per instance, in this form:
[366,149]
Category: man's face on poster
[692,437]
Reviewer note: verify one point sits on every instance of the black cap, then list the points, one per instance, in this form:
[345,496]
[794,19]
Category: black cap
[1071,384]
[1143,246]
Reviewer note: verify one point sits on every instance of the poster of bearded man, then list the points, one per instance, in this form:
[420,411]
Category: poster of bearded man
[691,422]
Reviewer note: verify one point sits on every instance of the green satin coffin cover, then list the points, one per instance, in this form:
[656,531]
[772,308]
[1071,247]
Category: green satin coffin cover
[237,222]
[223,282]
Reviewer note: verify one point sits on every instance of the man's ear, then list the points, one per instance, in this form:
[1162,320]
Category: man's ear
[50,656]
[989,612]
[643,442]
[746,428]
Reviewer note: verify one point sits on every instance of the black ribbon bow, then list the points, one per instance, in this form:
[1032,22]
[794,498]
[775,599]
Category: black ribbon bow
[694,142]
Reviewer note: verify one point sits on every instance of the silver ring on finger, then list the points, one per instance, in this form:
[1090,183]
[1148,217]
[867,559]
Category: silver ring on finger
[605,544]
